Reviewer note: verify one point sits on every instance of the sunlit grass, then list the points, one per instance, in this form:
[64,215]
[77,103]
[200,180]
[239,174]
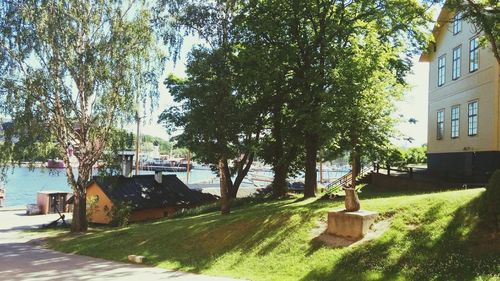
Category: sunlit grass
[433,236]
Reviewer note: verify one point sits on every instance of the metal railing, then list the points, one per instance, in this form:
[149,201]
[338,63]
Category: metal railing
[346,180]
[388,169]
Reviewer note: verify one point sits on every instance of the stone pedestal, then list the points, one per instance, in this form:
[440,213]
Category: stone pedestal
[136,259]
[352,225]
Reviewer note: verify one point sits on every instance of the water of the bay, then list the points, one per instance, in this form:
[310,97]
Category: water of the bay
[22,183]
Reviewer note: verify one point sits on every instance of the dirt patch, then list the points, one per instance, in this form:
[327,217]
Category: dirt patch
[319,234]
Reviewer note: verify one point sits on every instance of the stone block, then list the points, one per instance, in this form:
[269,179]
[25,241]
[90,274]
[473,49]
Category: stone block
[351,225]
[136,259]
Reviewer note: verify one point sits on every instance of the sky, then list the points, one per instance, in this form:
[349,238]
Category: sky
[414,104]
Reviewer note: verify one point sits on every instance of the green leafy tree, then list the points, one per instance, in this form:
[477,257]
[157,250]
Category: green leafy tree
[264,56]
[214,128]
[217,127]
[73,70]
[318,38]
[368,87]
[416,155]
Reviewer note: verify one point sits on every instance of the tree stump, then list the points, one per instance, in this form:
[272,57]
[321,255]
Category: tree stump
[351,200]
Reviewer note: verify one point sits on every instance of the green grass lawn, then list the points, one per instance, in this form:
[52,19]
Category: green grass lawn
[433,236]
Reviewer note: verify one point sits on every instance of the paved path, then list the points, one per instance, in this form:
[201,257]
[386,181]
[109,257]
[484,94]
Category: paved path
[21,258]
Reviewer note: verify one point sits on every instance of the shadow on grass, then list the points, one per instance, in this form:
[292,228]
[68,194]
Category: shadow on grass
[194,243]
[418,253]
[427,251]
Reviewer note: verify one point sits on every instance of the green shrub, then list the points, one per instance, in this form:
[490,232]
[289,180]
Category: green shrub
[120,213]
[92,207]
[490,207]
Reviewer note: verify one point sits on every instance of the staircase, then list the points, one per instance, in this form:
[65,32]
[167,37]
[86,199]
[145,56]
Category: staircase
[346,180]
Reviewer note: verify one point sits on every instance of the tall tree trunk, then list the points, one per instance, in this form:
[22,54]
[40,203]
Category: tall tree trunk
[225,208]
[358,161]
[351,197]
[279,184]
[355,168]
[79,220]
[280,165]
[311,143]
[243,169]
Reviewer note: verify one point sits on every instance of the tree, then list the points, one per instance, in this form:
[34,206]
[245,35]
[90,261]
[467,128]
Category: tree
[319,39]
[212,110]
[217,127]
[366,94]
[72,70]
[264,61]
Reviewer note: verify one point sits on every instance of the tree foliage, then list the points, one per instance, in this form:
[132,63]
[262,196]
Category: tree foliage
[216,115]
[340,64]
[72,70]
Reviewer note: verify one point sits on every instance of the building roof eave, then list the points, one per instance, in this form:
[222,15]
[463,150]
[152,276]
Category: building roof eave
[442,20]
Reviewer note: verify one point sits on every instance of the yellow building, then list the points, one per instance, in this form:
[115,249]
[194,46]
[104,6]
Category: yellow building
[148,196]
[464,103]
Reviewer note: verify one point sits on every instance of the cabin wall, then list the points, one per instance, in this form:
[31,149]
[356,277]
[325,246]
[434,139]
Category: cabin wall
[102,206]
[43,202]
[150,214]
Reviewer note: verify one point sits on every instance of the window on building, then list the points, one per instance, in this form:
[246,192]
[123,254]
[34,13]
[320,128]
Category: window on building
[441,70]
[472,118]
[440,124]
[455,69]
[455,121]
[473,54]
[457,23]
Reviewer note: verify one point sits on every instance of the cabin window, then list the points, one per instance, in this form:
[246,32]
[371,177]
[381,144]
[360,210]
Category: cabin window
[440,124]
[456,72]
[472,118]
[441,70]
[455,121]
[474,54]
[457,23]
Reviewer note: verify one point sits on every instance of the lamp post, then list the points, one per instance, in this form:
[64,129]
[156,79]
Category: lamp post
[137,120]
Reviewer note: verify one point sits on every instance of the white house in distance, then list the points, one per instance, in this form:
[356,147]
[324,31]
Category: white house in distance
[464,101]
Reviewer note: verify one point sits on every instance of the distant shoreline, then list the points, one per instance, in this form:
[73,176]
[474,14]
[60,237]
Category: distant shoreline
[37,164]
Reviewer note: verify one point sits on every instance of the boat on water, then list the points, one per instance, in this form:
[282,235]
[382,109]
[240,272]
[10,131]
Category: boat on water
[2,195]
[59,163]
[167,165]
[55,164]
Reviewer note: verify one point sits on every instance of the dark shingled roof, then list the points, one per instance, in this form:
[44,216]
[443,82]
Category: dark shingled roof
[144,192]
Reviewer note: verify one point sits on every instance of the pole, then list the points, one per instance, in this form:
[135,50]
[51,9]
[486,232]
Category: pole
[137,119]
[321,171]
[188,166]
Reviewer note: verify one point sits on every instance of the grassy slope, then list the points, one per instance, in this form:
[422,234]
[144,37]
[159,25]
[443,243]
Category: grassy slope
[432,236]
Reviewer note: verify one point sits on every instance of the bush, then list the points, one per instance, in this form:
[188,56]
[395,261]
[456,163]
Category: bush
[120,213]
[490,207]
[92,207]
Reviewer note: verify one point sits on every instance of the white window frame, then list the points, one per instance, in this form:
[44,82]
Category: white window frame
[473,54]
[456,69]
[457,23]
[472,117]
[455,121]
[440,124]
[441,70]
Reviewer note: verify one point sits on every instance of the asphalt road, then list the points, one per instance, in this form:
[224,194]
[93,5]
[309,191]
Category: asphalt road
[22,258]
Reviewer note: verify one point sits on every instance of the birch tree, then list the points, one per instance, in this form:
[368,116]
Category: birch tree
[72,70]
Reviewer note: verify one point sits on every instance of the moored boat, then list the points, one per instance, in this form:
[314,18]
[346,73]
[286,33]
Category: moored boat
[55,164]
[167,165]
[2,195]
